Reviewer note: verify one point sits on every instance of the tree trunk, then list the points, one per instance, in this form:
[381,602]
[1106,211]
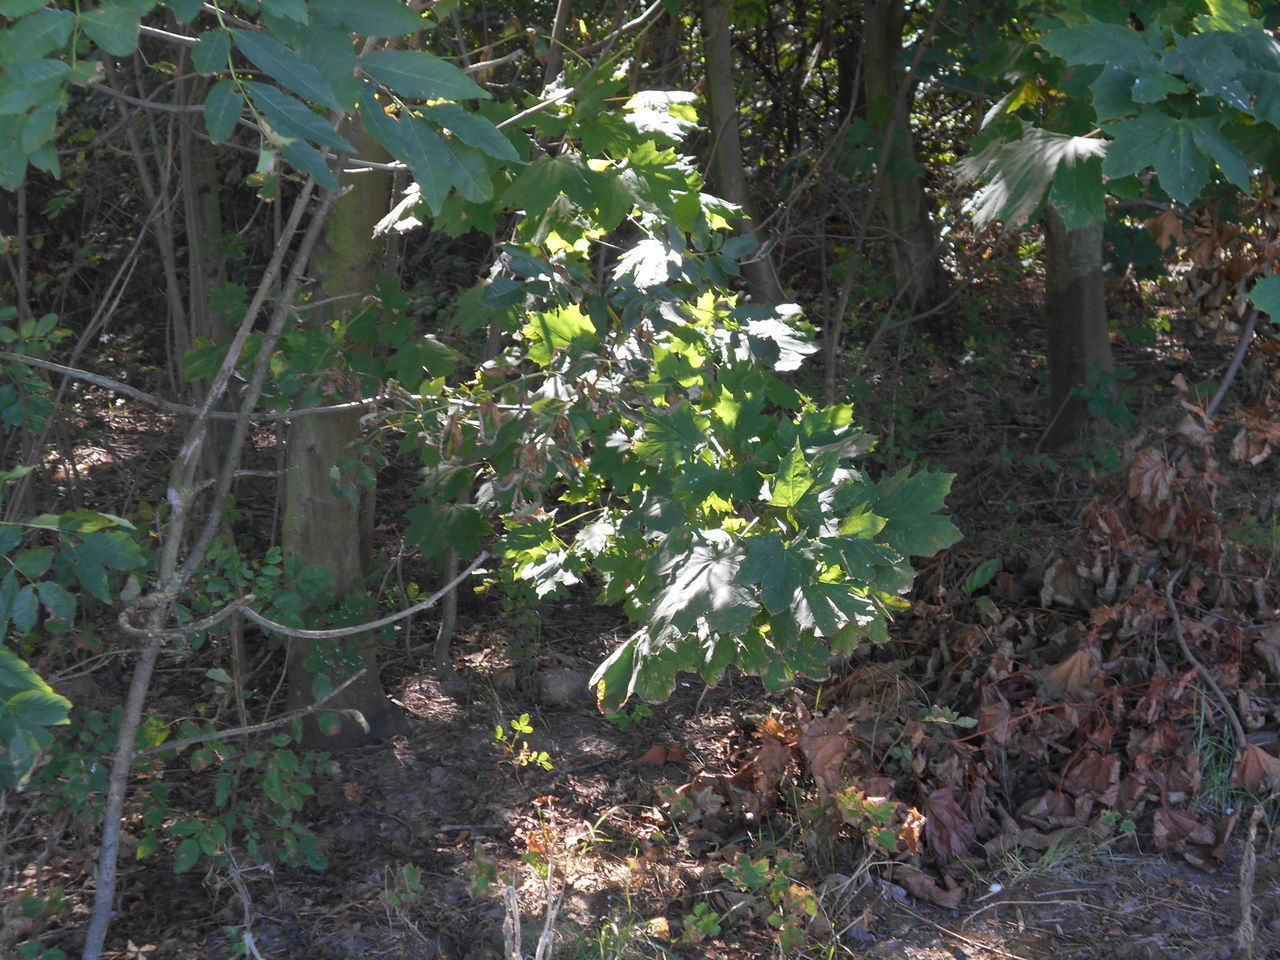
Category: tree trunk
[918,273]
[1079,343]
[726,145]
[320,526]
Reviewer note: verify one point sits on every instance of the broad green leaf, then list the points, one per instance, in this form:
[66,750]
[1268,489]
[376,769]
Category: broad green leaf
[372,18]
[909,504]
[57,600]
[40,126]
[222,110]
[36,35]
[19,8]
[28,83]
[1211,64]
[98,552]
[34,562]
[1168,143]
[186,855]
[1107,43]
[1078,193]
[1229,14]
[26,607]
[780,570]
[671,438]
[8,593]
[472,129]
[649,263]
[295,10]
[113,27]
[436,527]
[16,675]
[781,339]
[704,588]
[792,481]
[39,705]
[538,184]
[185,10]
[415,73]
[210,53]
[467,168]
[827,608]
[1265,295]
[551,331]
[1205,131]
[291,119]
[287,67]
[302,156]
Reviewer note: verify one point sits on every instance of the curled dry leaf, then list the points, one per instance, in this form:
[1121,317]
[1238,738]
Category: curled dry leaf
[946,828]
[825,743]
[1073,677]
[1269,648]
[1256,770]
[1172,830]
[655,756]
[924,887]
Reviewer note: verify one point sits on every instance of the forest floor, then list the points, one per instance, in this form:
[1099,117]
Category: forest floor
[1030,769]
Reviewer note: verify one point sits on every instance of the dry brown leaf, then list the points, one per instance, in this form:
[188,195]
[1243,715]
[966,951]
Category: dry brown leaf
[1051,809]
[924,887]
[1256,769]
[993,722]
[1073,677]
[824,744]
[1150,479]
[1174,829]
[946,828]
[1269,648]
[1248,447]
[1166,229]
[1096,775]
[655,756]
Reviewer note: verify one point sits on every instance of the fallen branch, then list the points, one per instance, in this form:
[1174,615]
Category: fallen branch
[1236,726]
[280,721]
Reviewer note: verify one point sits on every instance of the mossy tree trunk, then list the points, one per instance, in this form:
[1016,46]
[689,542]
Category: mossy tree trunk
[320,524]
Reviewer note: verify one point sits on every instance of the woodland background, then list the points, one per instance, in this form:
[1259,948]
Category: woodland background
[713,478]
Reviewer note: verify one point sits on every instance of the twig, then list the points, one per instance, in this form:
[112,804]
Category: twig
[1248,869]
[963,939]
[1237,727]
[280,721]
[288,631]
[1246,337]
[169,406]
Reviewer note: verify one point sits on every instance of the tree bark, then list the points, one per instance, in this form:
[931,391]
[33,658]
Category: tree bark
[319,525]
[1079,342]
[726,144]
[913,243]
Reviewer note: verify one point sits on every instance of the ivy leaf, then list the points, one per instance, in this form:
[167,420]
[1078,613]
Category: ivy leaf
[281,63]
[113,27]
[909,503]
[415,73]
[1107,43]
[222,110]
[539,183]
[1265,295]
[1168,143]
[671,439]
[793,480]
[649,263]
[704,588]
[780,570]
[1019,171]
[551,331]
[827,608]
